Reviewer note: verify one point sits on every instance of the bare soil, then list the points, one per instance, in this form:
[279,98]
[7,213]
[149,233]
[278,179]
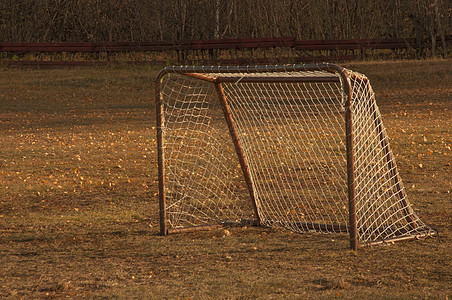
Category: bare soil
[79,208]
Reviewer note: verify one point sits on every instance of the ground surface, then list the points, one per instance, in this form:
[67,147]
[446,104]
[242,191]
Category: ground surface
[79,211]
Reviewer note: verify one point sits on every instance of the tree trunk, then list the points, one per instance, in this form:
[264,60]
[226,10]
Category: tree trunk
[440,28]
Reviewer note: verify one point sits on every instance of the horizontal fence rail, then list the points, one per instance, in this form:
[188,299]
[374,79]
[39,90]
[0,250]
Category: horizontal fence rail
[210,50]
[151,46]
[216,44]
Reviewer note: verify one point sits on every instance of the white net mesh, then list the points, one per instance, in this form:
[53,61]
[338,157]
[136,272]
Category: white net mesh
[204,182]
[298,171]
[382,209]
[291,129]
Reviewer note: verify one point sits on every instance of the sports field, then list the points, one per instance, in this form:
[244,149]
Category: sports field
[79,208]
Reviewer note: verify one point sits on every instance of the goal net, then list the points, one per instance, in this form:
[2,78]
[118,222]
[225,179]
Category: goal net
[297,146]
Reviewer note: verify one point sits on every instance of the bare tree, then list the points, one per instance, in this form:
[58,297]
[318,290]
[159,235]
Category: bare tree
[175,20]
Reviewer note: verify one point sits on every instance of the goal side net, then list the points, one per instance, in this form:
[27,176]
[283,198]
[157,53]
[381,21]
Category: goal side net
[297,146]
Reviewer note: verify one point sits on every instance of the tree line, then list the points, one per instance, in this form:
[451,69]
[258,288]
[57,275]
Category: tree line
[175,20]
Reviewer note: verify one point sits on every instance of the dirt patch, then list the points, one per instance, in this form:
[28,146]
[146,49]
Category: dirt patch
[79,210]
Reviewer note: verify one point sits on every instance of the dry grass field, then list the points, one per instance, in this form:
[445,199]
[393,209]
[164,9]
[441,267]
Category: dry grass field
[79,209]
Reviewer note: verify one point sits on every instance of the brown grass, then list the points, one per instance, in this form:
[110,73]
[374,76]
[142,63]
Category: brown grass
[78,206]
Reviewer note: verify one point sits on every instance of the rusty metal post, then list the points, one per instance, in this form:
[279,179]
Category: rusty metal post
[238,148]
[161,154]
[350,162]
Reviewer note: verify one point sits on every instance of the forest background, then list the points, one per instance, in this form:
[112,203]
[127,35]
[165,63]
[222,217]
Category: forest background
[175,20]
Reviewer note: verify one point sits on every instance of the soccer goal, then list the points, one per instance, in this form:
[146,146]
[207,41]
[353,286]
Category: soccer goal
[297,146]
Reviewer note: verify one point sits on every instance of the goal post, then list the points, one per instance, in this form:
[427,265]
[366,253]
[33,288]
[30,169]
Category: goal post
[297,146]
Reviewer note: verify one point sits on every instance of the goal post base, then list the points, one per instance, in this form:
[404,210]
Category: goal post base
[241,223]
[315,227]
[430,233]
[193,229]
[302,226]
